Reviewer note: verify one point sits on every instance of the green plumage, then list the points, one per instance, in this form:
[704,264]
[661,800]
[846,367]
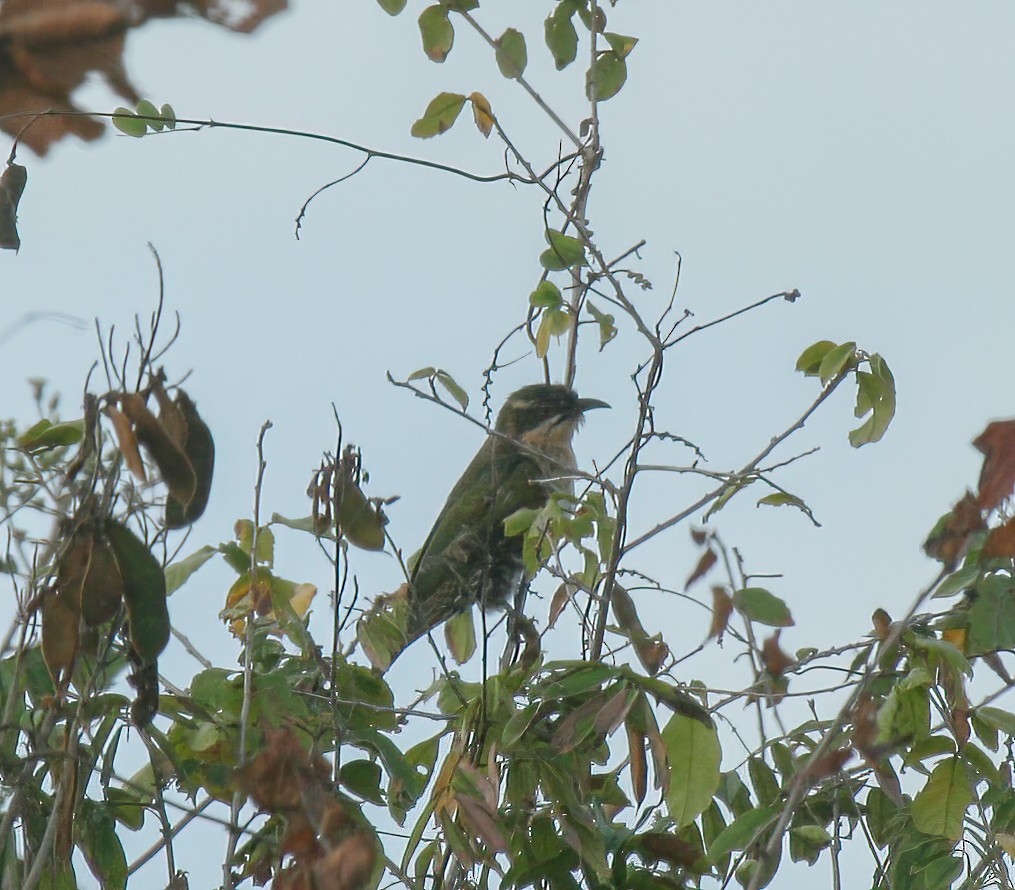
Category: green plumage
[467,558]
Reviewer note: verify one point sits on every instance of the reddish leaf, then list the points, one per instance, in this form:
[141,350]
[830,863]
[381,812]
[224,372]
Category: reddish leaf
[831,763]
[708,559]
[959,722]
[722,608]
[949,539]
[775,660]
[483,822]
[997,478]
[1000,542]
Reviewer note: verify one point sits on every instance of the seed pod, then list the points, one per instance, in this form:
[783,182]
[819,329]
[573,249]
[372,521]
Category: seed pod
[144,592]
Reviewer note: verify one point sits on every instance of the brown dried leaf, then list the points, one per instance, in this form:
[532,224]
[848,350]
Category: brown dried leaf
[830,764]
[615,711]
[705,563]
[127,442]
[561,597]
[173,464]
[12,185]
[722,608]
[776,661]
[170,416]
[199,446]
[60,617]
[889,783]
[997,478]
[949,539]
[667,847]
[483,822]
[651,651]
[349,866]
[47,49]
[958,720]
[282,773]
[638,762]
[1000,542]
[102,591]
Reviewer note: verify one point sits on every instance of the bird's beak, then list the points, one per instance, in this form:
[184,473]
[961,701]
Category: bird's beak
[588,404]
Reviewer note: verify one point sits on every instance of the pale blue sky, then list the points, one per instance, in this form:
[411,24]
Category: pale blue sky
[861,153]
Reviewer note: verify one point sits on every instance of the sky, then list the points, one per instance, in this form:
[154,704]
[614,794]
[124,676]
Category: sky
[860,153]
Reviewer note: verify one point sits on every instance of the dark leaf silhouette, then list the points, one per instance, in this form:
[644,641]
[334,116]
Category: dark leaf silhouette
[49,47]
[997,478]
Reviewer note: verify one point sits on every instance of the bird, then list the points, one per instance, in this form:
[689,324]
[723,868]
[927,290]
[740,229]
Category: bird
[467,558]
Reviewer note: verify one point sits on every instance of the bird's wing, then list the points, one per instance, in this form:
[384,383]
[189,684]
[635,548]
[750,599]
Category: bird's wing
[469,531]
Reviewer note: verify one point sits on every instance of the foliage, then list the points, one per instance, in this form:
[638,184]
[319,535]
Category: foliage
[601,767]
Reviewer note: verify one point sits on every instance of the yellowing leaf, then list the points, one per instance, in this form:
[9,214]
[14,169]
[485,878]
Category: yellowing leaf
[303,596]
[482,113]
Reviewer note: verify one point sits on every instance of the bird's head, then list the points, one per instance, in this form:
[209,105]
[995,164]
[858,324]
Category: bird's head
[543,410]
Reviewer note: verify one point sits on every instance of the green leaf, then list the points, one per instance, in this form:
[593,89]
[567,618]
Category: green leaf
[940,807]
[392,7]
[836,360]
[694,754]
[169,114]
[147,110]
[125,121]
[422,373]
[992,616]
[742,831]
[568,250]
[546,295]
[904,715]
[781,499]
[998,718]
[363,778]
[519,521]
[942,654]
[806,843]
[561,36]
[454,390]
[876,394]
[766,785]
[460,633]
[553,323]
[606,77]
[440,115]
[759,605]
[437,32]
[607,324]
[45,435]
[512,56]
[179,572]
[620,44]
[811,358]
[95,834]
